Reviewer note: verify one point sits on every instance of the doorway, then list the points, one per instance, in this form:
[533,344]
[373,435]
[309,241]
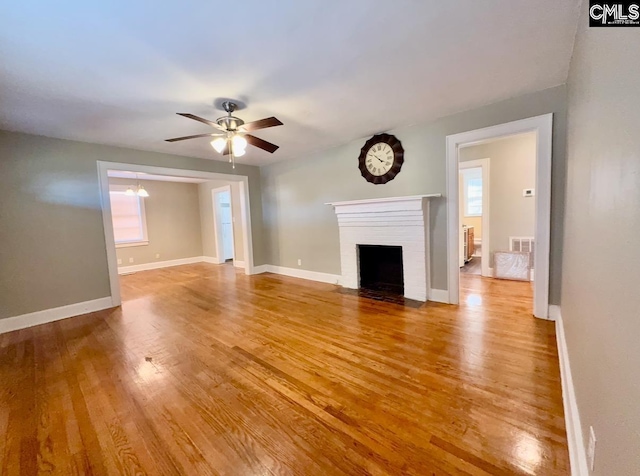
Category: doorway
[223,221]
[541,127]
[240,182]
[474,200]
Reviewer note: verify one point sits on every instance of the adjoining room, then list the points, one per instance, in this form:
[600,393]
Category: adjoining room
[161,221]
[498,214]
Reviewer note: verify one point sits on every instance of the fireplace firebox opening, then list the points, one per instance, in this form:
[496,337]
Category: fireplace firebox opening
[381,268]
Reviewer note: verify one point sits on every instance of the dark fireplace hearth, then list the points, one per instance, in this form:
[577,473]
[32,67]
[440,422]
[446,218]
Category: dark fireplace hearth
[381,269]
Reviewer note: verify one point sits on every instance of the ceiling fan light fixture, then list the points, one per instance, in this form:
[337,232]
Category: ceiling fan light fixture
[219,144]
[239,142]
[239,152]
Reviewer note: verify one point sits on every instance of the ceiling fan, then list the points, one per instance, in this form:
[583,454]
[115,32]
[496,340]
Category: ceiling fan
[232,134]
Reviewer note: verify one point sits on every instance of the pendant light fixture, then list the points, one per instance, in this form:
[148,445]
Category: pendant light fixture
[141,192]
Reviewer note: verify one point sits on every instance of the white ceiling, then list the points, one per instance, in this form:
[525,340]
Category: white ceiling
[158,178]
[116,72]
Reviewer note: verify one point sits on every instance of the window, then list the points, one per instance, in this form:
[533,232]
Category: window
[472,183]
[129,221]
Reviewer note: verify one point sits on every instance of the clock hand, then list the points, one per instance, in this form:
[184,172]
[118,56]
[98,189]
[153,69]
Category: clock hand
[378,158]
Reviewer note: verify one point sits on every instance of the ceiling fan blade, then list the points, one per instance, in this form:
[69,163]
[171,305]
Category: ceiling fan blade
[226,150]
[189,137]
[260,143]
[201,119]
[261,124]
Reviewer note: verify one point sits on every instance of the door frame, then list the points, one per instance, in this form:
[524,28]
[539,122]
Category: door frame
[485,165]
[543,126]
[105,205]
[217,224]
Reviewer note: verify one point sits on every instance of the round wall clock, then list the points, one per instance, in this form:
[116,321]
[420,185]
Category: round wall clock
[381,158]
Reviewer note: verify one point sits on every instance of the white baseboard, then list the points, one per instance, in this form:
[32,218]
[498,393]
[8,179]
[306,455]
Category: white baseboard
[238,264]
[439,295]
[577,453]
[57,313]
[554,313]
[304,274]
[263,268]
[164,264]
[211,259]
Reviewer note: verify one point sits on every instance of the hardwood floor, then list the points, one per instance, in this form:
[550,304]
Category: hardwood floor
[472,267]
[207,371]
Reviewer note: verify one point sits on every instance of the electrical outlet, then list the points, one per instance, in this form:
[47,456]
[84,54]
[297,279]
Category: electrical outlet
[591,449]
[299,262]
[119,261]
[528,192]
[157,255]
[130,260]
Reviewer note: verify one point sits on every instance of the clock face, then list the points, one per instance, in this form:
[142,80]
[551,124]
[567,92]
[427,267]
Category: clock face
[379,159]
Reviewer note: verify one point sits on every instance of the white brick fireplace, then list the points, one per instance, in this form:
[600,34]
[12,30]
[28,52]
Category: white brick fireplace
[395,221]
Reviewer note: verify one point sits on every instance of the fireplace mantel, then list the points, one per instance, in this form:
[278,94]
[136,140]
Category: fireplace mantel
[367,201]
[392,221]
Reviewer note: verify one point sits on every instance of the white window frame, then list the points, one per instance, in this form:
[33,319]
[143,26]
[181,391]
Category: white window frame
[143,217]
[467,175]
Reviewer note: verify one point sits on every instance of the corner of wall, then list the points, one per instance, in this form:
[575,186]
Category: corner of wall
[575,441]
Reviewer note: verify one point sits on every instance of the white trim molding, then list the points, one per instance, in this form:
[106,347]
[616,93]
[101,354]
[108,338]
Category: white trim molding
[435,295]
[302,274]
[543,126]
[439,295]
[50,315]
[262,268]
[575,441]
[211,259]
[368,201]
[161,264]
[238,263]
[554,312]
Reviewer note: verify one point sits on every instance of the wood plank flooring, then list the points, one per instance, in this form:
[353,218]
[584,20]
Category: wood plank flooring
[206,371]
[472,267]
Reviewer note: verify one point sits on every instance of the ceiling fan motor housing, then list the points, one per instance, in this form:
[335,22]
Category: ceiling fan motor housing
[230,123]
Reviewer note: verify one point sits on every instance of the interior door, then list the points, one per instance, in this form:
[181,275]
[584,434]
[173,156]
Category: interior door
[227,230]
